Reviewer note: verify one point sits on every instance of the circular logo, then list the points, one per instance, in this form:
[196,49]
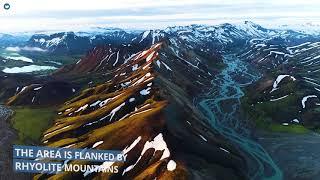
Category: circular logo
[6,6]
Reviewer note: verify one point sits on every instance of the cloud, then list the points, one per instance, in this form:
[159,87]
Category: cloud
[13,49]
[148,14]
[26,48]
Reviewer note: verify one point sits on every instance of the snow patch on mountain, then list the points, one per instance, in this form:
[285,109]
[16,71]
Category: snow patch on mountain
[278,80]
[305,99]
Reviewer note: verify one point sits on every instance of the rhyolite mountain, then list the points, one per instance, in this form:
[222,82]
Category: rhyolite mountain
[144,108]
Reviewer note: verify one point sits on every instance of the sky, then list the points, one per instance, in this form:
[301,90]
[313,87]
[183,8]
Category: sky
[73,15]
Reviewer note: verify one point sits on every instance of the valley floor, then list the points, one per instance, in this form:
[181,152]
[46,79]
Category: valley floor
[281,155]
[297,155]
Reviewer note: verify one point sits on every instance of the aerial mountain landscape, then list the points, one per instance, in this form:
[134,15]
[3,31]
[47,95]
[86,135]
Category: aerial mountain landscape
[230,101]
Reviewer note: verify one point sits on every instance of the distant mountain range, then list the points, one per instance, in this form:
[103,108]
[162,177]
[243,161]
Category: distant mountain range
[219,36]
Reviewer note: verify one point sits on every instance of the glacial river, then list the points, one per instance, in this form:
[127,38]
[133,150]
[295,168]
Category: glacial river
[222,106]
